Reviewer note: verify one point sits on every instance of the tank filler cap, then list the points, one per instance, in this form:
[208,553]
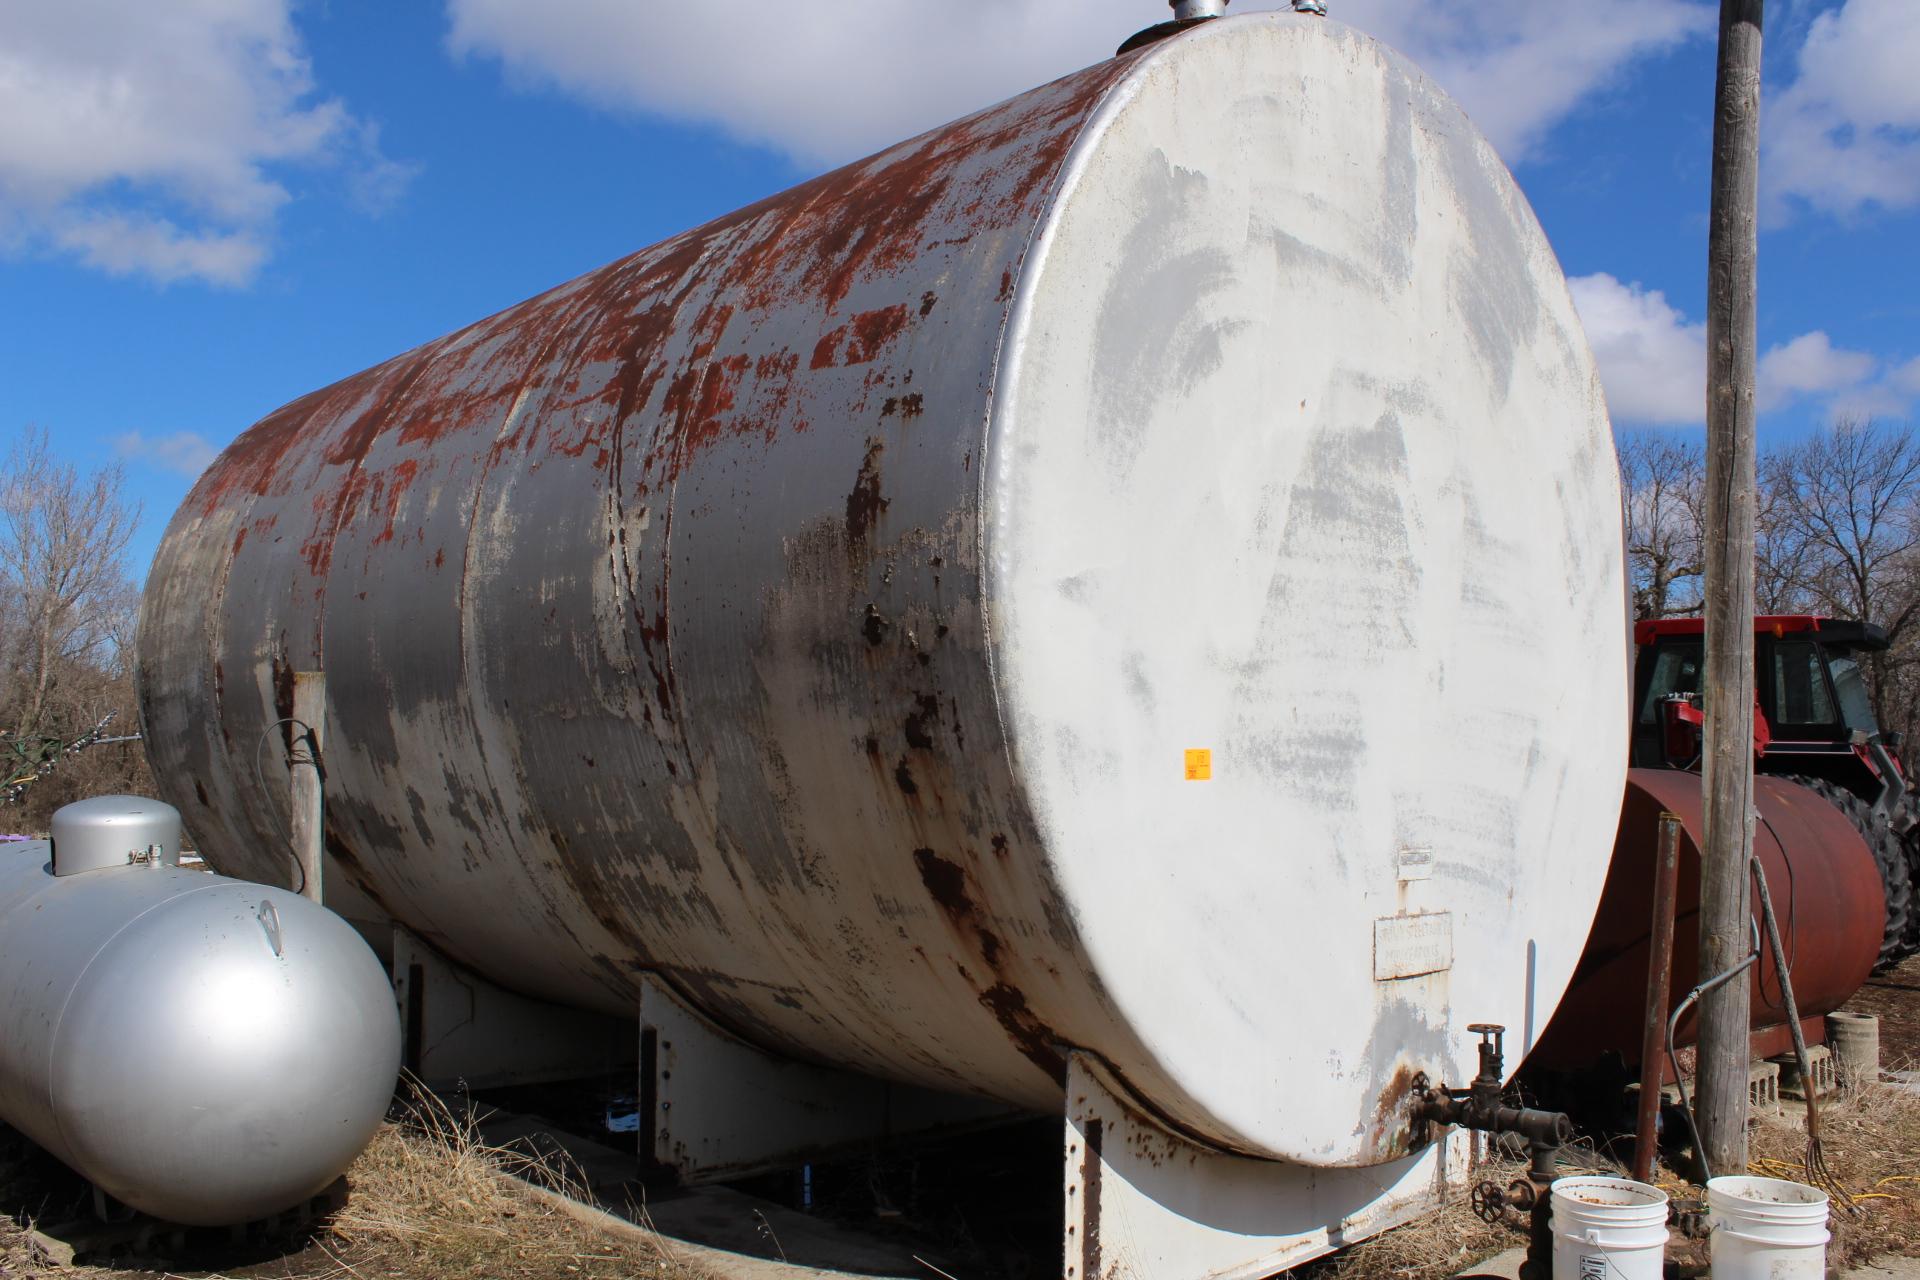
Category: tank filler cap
[115,831]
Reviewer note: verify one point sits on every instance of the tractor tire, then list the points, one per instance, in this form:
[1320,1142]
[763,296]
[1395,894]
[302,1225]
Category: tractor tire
[1890,854]
[1911,813]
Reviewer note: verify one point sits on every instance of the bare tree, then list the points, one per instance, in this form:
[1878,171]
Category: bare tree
[63,542]
[1663,481]
[1849,495]
[1785,559]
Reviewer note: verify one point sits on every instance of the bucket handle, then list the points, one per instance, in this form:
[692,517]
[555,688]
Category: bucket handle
[1721,1229]
[1594,1238]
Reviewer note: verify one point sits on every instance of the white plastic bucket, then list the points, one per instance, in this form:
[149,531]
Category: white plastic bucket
[1767,1229]
[1608,1229]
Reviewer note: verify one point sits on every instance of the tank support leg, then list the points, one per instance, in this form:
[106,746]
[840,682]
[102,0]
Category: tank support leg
[714,1107]
[458,1029]
[1141,1200]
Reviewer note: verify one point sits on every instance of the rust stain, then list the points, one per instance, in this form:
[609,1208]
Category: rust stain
[865,506]
[1391,1133]
[924,720]
[947,884]
[817,241]
[1029,1034]
[861,340]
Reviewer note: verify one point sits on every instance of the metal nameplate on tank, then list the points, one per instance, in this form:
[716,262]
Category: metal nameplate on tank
[1412,946]
[1416,863]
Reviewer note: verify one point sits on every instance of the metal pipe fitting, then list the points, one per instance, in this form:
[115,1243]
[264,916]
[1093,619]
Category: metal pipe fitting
[1316,7]
[1193,10]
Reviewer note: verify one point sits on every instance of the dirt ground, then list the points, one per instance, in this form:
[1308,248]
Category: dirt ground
[1894,998]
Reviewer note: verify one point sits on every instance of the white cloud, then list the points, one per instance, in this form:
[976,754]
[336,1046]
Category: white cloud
[1892,395]
[1652,359]
[186,452]
[130,244]
[1520,67]
[832,80]
[1907,377]
[1845,133]
[155,138]
[1809,365]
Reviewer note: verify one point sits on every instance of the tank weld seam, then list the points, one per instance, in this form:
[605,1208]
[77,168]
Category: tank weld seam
[1135,1098]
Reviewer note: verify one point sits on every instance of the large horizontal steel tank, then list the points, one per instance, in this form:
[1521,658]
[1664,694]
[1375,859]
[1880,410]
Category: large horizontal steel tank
[1135,569]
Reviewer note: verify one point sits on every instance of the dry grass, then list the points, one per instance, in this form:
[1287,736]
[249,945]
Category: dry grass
[429,1201]
[1442,1244]
[1872,1143]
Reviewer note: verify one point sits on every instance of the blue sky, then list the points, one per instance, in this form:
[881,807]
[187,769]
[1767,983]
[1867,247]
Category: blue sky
[209,207]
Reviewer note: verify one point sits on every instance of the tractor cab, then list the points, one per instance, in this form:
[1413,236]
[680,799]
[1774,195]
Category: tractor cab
[1814,717]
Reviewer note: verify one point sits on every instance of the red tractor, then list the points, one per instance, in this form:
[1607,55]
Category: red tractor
[1813,724]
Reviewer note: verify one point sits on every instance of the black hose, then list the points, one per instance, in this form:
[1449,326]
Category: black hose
[1673,1058]
[286,837]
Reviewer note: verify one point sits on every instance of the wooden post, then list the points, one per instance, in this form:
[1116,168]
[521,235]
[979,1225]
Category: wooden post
[308,735]
[1666,877]
[1725,940]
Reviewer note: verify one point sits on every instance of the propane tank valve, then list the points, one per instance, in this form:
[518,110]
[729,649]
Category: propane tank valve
[1195,10]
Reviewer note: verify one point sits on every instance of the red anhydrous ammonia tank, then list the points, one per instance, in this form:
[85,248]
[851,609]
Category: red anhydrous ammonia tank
[1826,897]
[1137,570]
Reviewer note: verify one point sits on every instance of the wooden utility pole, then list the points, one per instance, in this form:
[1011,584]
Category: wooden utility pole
[1725,937]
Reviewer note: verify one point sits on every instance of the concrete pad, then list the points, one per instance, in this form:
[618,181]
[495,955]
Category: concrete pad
[1501,1266]
[1887,1268]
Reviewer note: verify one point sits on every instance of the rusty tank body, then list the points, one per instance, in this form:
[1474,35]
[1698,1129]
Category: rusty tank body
[1135,570]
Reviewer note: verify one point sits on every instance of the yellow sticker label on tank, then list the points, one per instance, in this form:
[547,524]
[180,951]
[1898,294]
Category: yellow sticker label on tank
[1200,765]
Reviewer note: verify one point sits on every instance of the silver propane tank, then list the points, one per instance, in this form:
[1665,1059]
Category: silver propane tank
[204,1050]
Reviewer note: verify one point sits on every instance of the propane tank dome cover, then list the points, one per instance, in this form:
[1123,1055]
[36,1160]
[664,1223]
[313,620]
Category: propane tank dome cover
[113,831]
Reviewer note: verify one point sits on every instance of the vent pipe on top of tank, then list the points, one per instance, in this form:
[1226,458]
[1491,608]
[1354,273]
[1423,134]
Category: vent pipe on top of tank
[1311,6]
[1186,13]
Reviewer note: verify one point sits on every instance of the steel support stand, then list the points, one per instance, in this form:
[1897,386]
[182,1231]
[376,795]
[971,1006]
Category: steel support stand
[461,1031]
[714,1107]
[1144,1201]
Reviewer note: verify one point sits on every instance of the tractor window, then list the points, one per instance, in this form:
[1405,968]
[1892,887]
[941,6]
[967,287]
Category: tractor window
[1675,670]
[1855,705]
[1800,694]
